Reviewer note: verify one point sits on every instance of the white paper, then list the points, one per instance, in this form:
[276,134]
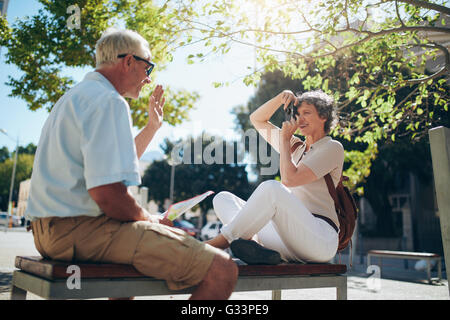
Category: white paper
[177,209]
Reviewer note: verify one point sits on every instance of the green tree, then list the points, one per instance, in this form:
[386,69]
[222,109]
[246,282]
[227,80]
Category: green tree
[396,157]
[42,45]
[359,155]
[271,84]
[24,167]
[29,149]
[380,48]
[197,177]
[4,154]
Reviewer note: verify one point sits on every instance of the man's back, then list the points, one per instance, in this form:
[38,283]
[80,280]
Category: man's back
[82,131]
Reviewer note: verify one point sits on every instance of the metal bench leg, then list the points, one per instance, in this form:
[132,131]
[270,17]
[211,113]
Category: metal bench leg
[276,294]
[439,269]
[341,289]
[429,270]
[18,293]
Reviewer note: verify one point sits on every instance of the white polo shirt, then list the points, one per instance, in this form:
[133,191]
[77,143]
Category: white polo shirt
[324,156]
[86,142]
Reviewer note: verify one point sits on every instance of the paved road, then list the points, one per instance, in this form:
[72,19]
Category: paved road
[396,283]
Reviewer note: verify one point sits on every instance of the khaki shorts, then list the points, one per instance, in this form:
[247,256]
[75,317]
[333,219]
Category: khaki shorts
[153,249]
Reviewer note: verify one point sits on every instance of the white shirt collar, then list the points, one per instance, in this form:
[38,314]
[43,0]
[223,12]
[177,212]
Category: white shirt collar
[320,142]
[97,76]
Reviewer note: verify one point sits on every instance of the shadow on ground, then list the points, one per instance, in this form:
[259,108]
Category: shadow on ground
[5,281]
[412,276]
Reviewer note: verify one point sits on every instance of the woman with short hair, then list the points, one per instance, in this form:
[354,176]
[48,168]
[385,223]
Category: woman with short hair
[295,219]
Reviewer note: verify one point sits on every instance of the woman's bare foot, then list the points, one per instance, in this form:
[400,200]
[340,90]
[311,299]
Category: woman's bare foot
[218,242]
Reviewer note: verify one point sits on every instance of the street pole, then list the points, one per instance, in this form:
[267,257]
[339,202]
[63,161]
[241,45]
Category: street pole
[440,155]
[10,211]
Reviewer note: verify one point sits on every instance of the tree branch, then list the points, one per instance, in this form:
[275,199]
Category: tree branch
[407,97]
[346,14]
[382,33]
[398,14]
[444,70]
[425,4]
[369,34]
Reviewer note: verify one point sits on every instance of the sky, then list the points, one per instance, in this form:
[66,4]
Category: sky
[212,112]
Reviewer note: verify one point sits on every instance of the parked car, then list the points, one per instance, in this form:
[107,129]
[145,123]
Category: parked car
[186,226]
[210,230]
[4,220]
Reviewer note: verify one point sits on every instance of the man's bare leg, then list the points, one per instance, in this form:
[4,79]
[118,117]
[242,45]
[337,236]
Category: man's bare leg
[219,282]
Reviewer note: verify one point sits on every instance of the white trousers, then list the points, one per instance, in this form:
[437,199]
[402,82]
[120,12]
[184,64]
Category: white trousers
[280,221]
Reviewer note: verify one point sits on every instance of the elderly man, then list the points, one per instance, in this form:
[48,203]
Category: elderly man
[86,158]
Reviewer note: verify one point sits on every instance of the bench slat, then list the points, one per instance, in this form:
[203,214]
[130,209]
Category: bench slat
[51,269]
[292,269]
[404,253]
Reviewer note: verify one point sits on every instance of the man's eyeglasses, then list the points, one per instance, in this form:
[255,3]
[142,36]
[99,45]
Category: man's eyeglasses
[151,65]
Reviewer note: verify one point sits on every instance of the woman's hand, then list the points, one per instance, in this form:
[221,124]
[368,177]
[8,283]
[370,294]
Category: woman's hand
[155,107]
[288,128]
[286,97]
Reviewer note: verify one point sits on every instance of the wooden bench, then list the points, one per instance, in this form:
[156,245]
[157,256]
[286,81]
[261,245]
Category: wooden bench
[49,279]
[409,255]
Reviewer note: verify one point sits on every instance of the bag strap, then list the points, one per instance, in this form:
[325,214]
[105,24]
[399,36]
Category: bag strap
[296,145]
[328,179]
[332,191]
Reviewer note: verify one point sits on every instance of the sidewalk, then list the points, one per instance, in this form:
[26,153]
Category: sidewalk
[396,283]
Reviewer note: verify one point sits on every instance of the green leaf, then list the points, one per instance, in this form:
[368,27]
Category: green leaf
[325,85]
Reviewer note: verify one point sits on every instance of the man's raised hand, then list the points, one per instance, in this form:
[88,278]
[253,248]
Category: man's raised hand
[155,108]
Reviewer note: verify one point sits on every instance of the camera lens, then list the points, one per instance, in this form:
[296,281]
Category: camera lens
[288,113]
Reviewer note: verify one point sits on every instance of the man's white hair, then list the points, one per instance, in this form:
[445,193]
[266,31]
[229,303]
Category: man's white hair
[114,42]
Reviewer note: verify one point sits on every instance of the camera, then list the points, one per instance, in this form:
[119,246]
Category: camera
[290,111]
